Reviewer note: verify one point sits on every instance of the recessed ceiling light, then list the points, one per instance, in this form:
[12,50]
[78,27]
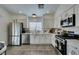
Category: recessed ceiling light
[47,12]
[20,12]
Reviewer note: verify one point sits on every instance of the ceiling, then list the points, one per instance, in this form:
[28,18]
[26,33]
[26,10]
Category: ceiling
[29,9]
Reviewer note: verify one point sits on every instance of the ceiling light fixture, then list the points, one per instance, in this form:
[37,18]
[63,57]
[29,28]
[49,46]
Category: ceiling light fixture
[34,15]
[20,12]
[47,12]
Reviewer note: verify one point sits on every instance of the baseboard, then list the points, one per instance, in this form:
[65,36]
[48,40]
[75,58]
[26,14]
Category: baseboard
[13,45]
[41,43]
[26,44]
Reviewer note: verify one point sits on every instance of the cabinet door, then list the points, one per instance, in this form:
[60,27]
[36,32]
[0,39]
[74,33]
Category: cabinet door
[42,39]
[48,21]
[57,22]
[53,39]
[77,14]
[36,40]
[70,11]
[23,38]
[48,39]
[32,39]
[72,50]
[74,10]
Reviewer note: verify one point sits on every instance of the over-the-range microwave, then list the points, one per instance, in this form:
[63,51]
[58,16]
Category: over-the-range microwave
[70,21]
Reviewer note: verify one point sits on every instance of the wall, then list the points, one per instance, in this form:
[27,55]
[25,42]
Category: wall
[59,12]
[20,18]
[4,20]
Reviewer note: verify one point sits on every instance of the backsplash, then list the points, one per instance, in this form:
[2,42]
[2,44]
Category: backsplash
[75,29]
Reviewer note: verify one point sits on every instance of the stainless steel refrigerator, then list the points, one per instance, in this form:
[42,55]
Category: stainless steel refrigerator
[14,31]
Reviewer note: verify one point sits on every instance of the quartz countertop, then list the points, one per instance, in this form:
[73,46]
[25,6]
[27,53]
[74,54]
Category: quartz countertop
[37,33]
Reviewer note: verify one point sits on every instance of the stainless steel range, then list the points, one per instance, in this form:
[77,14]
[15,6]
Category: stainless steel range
[61,42]
[61,45]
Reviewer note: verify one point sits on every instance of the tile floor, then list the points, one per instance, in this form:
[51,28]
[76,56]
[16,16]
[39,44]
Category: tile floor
[32,50]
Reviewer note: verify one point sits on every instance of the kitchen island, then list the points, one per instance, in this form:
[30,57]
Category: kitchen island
[40,38]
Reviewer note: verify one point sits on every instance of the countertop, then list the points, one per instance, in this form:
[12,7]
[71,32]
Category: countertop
[38,33]
[69,37]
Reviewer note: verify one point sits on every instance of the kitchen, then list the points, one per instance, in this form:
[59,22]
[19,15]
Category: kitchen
[57,27]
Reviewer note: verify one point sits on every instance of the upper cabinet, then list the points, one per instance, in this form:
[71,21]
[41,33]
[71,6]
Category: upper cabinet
[70,11]
[77,15]
[66,14]
[57,22]
[70,17]
[48,21]
[73,10]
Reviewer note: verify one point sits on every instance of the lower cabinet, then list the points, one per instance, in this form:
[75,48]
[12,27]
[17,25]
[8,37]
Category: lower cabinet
[40,39]
[53,39]
[45,39]
[72,50]
[72,47]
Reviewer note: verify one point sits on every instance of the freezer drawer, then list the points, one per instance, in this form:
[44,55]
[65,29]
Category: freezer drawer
[15,40]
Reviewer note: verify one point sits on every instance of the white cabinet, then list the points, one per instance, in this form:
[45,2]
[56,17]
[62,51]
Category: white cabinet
[70,11]
[72,47]
[53,39]
[34,39]
[57,22]
[73,50]
[74,10]
[77,15]
[48,20]
[40,39]
[45,39]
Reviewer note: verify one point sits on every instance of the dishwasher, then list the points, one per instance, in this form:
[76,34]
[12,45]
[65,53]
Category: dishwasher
[25,38]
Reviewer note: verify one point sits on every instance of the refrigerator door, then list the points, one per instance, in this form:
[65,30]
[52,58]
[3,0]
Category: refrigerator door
[13,29]
[17,29]
[15,40]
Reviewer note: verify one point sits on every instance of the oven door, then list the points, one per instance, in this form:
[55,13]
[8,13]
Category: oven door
[57,44]
[63,47]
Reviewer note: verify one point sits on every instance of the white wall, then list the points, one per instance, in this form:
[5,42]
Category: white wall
[4,20]
[20,18]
